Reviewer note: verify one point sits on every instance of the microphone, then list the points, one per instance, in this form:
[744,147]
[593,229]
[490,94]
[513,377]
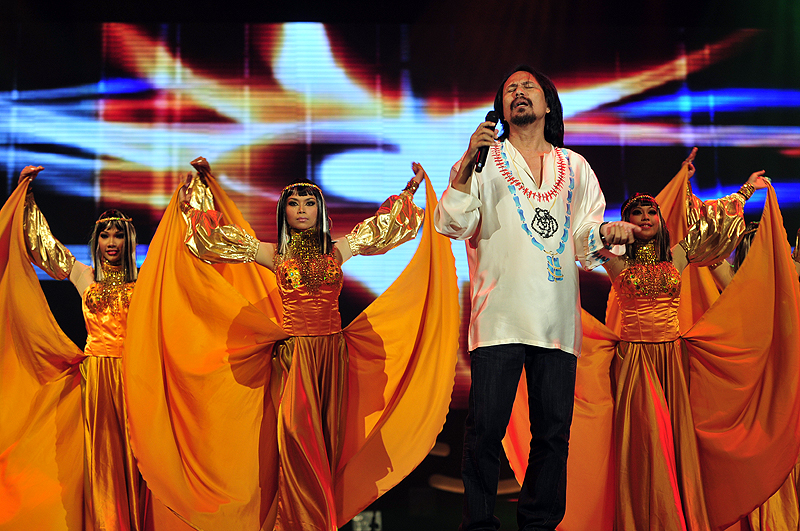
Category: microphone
[480,159]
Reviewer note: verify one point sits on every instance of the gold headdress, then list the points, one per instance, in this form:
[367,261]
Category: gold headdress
[297,185]
[637,198]
[112,218]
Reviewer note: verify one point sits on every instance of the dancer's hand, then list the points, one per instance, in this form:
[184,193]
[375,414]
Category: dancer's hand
[419,172]
[202,166]
[758,179]
[29,173]
[689,160]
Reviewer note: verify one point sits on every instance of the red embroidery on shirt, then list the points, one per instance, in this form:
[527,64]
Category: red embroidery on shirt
[561,168]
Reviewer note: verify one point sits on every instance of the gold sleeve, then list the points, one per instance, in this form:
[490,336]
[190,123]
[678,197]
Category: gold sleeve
[397,221]
[211,241]
[201,197]
[716,231]
[796,253]
[207,237]
[44,250]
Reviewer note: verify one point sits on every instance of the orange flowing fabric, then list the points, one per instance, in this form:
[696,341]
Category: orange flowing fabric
[781,512]
[743,392]
[203,390]
[41,443]
[745,377]
[65,461]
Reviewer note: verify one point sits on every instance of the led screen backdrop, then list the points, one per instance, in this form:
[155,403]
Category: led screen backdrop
[116,111]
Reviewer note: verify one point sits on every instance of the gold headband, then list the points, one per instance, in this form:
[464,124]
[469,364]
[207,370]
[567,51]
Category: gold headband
[637,198]
[296,185]
[101,220]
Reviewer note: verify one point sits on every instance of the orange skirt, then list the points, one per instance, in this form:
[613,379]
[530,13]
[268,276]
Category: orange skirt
[658,469]
[782,510]
[115,495]
[311,420]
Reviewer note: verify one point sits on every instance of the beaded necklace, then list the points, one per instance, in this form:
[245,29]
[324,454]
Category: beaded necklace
[645,252]
[648,277]
[543,223]
[312,266]
[112,293]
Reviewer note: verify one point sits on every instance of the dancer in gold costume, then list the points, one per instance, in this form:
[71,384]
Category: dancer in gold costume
[268,413]
[694,428]
[659,484]
[114,495]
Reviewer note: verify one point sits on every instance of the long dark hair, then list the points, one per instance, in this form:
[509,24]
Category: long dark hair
[743,247]
[662,243]
[304,187]
[119,221]
[553,121]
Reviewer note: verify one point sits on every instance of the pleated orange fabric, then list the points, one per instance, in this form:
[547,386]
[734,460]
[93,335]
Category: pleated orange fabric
[745,377]
[780,512]
[743,399]
[41,443]
[658,480]
[311,431]
[206,431]
[115,496]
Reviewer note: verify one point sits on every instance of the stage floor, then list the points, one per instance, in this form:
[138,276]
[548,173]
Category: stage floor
[414,505]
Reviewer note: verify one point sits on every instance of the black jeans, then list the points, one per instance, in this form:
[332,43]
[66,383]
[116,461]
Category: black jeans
[496,371]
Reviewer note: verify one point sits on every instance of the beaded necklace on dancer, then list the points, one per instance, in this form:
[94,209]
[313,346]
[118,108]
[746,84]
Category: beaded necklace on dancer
[648,276]
[112,292]
[543,223]
[312,267]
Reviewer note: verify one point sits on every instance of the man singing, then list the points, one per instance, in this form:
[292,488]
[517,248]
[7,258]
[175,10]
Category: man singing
[526,217]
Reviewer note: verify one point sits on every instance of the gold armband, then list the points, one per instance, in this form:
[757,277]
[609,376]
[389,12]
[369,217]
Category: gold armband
[746,191]
[411,186]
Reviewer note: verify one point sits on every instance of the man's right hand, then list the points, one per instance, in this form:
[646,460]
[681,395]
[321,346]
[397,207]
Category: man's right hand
[484,135]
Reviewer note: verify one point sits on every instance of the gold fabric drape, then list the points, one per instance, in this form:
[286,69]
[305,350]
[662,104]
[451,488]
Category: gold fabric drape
[744,383]
[115,496]
[743,391]
[781,512]
[311,430]
[205,429]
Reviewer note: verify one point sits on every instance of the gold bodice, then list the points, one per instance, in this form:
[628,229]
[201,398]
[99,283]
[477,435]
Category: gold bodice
[648,296]
[105,310]
[310,312]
